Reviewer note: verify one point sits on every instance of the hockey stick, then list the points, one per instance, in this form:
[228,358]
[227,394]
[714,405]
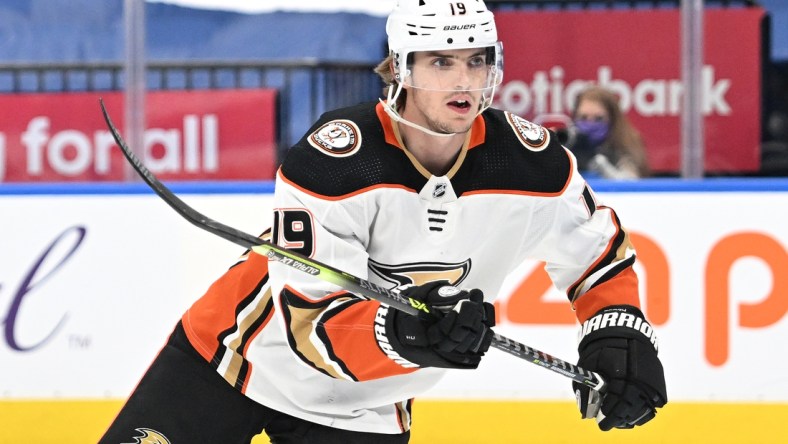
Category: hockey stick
[332,275]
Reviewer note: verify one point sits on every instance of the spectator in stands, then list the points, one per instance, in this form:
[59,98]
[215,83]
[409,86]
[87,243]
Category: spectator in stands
[604,141]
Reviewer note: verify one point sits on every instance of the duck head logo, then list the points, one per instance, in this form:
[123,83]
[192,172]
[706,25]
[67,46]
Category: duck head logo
[150,436]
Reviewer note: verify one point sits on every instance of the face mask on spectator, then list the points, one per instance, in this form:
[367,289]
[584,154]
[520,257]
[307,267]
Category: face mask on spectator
[596,131]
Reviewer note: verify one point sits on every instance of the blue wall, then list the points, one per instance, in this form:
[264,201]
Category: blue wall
[92,30]
[778,9]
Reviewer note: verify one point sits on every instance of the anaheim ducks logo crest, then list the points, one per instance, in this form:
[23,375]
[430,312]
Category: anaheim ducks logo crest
[419,273]
[532,136]
[338,138]
[150,436]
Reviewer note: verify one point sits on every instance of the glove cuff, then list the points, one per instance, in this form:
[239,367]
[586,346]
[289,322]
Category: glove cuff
[620,321]
[387,338]
[388,322]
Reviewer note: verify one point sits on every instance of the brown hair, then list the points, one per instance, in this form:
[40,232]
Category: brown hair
[623,141]
[385,70]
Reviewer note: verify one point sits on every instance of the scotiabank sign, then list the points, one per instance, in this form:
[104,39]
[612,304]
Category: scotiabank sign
[204,135]
[553,55]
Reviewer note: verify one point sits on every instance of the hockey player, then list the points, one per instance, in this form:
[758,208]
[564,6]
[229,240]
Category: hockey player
[430,191]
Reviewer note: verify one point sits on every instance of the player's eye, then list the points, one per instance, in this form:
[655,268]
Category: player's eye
[442,62]
[477,62]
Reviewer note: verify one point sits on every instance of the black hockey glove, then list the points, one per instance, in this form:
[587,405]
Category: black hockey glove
[620,345]
[455,334]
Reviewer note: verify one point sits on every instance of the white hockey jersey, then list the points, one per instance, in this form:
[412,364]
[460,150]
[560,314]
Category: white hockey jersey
[350,195]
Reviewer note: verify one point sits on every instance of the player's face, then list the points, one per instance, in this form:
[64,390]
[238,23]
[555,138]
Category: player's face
[445,88]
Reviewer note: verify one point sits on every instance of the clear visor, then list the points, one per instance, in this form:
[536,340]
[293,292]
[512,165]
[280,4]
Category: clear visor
[474,69]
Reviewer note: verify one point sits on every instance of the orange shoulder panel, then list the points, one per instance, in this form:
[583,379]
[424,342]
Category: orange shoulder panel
[215,311]
[352,337]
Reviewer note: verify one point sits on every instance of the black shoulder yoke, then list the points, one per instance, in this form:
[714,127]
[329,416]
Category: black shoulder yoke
[346,151]
[516,156]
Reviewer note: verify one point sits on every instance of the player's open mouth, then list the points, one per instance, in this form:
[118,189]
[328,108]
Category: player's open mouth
[460,105]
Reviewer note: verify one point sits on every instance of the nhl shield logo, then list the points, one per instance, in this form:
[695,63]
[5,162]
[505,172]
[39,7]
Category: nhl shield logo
[439,191]
[531,135]
[338,138]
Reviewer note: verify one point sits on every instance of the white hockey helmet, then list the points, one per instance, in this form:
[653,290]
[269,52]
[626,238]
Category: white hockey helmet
[426,25]
[436,25]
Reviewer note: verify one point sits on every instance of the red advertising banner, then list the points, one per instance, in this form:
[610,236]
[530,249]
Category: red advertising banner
[190,135]
[552,55]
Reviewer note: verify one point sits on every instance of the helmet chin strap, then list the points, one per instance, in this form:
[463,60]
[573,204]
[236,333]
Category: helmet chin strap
[388,106]
[398,118]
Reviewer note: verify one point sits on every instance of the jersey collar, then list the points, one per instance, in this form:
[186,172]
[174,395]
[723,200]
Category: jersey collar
[475,138]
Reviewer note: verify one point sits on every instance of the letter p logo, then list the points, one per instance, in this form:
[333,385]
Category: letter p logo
[766,312]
